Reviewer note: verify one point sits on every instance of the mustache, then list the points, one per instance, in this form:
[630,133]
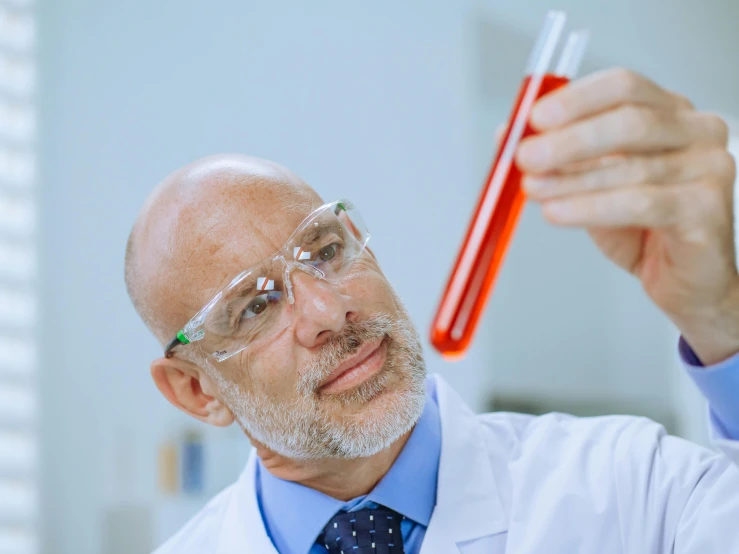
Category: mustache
[340,346]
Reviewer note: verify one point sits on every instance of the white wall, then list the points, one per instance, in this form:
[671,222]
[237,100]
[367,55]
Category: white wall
[364,100]
[685,46]
[385,102]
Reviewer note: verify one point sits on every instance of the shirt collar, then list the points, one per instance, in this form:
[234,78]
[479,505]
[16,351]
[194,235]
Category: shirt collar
[409,487]
[294,515]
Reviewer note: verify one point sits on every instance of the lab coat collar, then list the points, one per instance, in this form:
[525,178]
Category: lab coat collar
[468,503]
[242,530]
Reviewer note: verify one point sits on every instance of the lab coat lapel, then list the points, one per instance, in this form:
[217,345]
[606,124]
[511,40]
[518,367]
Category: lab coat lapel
[468,505]
[242,530]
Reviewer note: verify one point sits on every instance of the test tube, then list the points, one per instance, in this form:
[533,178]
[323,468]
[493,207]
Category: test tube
[502,199]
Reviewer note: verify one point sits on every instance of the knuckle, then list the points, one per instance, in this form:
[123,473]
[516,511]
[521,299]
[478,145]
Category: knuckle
[644,170]
[711,200]
[571,142]
[683,102]
[723,165]
[582,137]
[717,128]
[591,180]
[627,82]
[636,122]
[669,209]
[645,206]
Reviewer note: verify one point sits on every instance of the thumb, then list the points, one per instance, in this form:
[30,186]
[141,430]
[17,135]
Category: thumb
[500,133]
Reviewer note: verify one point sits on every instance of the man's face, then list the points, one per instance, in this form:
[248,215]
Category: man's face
[346,378]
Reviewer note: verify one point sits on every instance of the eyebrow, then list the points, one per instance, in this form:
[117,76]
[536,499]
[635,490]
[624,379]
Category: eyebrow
[315,232]
[311,235]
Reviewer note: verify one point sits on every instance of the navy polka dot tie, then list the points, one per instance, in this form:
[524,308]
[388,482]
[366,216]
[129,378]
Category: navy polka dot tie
[363,532]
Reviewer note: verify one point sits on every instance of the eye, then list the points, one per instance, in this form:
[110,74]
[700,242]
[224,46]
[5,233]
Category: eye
[327,253]
[256,306]
[259,304]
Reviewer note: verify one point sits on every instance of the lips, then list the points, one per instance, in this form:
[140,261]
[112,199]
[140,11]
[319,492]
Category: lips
[357,368]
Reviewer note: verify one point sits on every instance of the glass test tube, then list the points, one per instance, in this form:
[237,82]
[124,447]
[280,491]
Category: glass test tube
[499,207]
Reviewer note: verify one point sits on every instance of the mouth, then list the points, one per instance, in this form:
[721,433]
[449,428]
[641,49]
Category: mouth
[356,369]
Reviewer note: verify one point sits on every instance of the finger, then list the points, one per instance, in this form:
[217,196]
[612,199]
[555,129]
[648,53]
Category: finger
[626,129]
[716,127]
[689,206]
[650,206]
[598,92]
[681,102]
[500,132]
[682,166]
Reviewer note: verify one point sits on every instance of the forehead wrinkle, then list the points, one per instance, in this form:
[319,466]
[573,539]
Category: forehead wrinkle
[226,259]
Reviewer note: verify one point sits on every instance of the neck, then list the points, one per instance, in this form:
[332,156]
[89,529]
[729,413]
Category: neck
[335,477]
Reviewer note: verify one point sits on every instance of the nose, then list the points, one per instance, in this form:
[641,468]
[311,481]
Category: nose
[321,310]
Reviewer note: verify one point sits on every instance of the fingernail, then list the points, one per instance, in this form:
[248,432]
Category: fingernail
[547,113]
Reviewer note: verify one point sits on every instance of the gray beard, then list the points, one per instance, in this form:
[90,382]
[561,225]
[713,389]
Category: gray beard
[301,429]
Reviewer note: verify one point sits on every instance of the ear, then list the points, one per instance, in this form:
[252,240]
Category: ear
[188,388]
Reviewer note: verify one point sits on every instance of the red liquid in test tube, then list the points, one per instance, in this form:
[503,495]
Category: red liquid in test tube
[502,199]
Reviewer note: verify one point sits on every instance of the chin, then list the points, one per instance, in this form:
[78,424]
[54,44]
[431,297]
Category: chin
[379,424]
[381,411]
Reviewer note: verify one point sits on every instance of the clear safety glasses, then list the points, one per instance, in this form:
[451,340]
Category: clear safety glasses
[256,304]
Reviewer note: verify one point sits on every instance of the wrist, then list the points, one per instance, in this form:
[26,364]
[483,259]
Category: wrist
[713,336]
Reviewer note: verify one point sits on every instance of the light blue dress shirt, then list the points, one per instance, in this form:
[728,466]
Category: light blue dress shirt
[295,515]
[719,384]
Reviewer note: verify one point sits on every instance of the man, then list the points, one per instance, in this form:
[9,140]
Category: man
[274,313]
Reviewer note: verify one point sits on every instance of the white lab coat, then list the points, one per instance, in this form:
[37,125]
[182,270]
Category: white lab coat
[554,484]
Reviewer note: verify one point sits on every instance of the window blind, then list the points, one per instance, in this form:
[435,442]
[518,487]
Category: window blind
[18,354]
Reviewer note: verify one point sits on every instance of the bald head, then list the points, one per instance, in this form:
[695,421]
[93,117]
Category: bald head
[202,225]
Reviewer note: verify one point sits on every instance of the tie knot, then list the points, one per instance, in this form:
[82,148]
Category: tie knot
[369,531]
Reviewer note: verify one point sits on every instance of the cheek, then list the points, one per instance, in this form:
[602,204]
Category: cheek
[270,369]
[370,291]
